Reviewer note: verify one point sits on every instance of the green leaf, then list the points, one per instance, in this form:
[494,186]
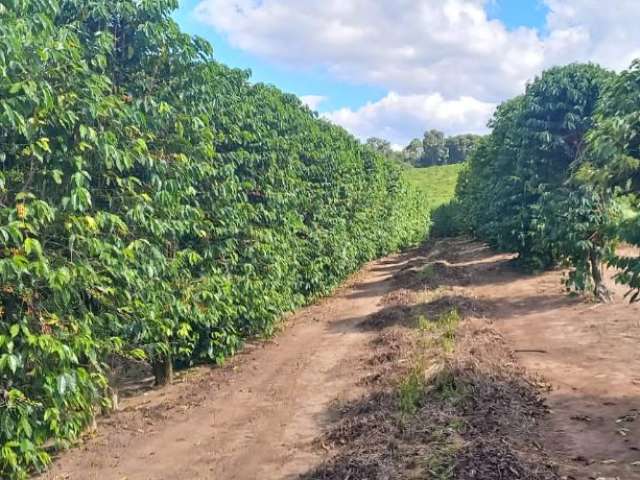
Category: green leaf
[138,354]
[31,245]
[14,330]
[12,363]
[43,143]
[57,176]
[62,384]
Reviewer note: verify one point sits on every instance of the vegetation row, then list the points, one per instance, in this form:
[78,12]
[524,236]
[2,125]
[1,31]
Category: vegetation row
[434,149]
[156,205]
[558,178]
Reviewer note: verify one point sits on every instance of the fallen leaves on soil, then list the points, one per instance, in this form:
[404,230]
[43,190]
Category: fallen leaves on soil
[477,413]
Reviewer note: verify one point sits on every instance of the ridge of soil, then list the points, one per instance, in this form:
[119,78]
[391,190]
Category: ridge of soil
[478,413]
[551,387]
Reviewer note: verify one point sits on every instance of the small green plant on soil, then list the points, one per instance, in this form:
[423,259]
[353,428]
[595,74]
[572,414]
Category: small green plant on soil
[436,342]
[440,462]
[444,405]
[411,391]
[441,333]
[427,273]
[436,339]
[449,388]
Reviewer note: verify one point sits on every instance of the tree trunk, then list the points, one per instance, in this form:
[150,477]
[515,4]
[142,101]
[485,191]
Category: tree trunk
[600,291]
[163,371]
[115,404]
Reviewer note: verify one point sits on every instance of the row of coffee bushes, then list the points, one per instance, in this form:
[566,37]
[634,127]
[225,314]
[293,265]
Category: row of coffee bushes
[156,205]
[557,179]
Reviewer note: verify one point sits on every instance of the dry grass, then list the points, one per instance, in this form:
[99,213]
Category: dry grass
[447,399]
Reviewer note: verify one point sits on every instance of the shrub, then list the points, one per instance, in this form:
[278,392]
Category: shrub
[155,204]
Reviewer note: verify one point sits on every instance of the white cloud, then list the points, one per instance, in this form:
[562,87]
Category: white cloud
[401,117]
[605,33]
[425,49]
[409,46]
[313,101]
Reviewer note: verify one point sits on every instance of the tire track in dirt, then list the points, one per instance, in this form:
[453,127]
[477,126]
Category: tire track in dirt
[255,418]
[587,353]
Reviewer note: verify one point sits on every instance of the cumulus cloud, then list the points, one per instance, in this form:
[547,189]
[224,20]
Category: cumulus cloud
[407,46]
[313,101]
[400,117]
[590,30]
[423,50]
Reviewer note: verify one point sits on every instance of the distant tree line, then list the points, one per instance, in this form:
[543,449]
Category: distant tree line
[435,148]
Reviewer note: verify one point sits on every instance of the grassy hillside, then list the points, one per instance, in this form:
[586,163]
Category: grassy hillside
[438,183]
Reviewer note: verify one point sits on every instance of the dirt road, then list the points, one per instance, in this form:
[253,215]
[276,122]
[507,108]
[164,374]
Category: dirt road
[587,353]
[590,356]
[260,416]
[255,418]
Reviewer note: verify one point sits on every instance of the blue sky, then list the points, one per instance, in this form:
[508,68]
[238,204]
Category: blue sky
[519,13]
[395,68]
[514,13]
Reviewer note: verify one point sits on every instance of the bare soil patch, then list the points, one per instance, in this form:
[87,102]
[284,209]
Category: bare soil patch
[588,353]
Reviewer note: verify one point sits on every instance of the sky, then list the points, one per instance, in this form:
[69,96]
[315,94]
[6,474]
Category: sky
[395,68]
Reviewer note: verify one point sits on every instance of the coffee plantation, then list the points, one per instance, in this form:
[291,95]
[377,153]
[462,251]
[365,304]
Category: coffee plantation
[158,208]
[156,205]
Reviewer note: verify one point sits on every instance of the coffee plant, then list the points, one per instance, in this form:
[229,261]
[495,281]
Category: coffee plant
[614,147]
[524,190]
[157,205]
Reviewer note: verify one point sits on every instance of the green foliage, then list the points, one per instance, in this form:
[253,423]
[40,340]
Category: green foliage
[449,220]
[155,204]
[583,227]
[614,147]
[434,149]
[459,147]
[437,149]
[411,390]
[488,188]
[438,184]
[522,192]
[380,145]
[436,340]
[440,461]
[443,330]
[413,152]
[384,148]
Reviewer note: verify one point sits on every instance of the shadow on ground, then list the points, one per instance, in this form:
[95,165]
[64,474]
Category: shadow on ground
[499,428]
[477,417]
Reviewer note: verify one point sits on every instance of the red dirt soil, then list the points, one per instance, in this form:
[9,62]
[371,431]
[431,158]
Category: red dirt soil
[257,417]
[588,353]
